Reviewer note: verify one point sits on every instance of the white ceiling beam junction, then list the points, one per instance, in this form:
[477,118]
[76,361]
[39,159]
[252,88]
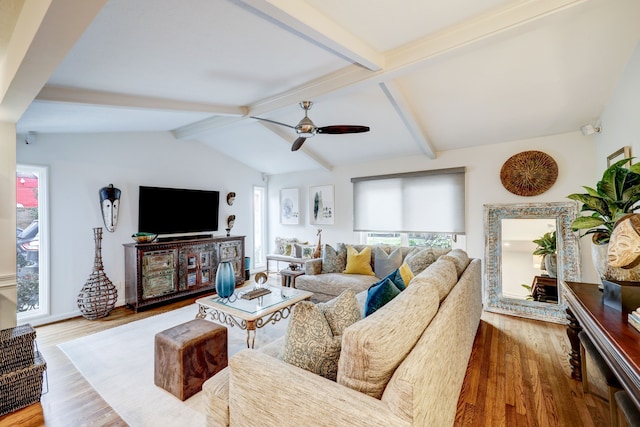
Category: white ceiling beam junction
[306,20]
[404,110]
[419,54]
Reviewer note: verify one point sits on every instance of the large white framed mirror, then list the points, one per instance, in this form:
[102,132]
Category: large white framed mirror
[517,282]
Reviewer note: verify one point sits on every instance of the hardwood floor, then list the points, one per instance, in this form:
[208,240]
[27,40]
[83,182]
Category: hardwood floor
[518,375]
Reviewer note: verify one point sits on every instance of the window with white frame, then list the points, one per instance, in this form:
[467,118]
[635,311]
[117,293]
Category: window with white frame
[424,208]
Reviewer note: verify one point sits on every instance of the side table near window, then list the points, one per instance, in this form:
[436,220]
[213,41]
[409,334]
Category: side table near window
[289,277]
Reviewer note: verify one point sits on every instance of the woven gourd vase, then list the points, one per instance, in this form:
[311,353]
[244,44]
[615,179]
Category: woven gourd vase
[225,280]
[98,296]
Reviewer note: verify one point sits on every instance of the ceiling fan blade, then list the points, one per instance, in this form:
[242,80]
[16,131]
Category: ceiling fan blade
[273,121]
[338,129]
[298,143]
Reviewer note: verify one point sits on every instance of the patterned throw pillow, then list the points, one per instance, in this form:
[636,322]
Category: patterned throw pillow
[334,260]
[386,263]
[341,312]
[359,262]
[314,333]
[379,294]
[419,259]
[309,342]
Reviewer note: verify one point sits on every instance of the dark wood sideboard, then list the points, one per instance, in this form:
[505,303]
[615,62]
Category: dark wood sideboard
[617,342]
[161,272]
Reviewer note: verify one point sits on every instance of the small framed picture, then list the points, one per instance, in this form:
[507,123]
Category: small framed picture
[623,153]
[321,209]
[289,206]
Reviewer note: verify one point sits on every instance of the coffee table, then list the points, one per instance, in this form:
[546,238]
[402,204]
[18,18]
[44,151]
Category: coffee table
[253,314]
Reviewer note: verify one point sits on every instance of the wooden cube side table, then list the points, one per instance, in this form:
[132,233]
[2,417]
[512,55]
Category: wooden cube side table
[289,277]
[189,354]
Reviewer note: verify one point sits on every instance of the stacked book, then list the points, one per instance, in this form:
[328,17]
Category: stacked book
[634,319]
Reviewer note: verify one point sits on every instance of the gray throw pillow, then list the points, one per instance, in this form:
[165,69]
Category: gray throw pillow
[385,263]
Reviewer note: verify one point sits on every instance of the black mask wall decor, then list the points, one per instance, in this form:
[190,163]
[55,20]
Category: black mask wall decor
[109,204]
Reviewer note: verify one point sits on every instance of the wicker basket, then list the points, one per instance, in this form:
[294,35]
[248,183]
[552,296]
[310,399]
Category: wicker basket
[16,348]
[23,387]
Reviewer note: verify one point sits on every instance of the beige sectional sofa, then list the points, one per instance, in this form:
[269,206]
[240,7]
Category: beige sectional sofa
[328,285]
[403,365]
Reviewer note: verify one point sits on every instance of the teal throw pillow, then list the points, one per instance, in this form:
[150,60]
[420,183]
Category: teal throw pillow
[379,294]
[397,279]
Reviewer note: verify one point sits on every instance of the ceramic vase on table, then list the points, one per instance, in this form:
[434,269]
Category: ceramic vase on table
[225,279]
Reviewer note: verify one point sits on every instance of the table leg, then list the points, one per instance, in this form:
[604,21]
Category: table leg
[202,312]
[251,333]
[574,356]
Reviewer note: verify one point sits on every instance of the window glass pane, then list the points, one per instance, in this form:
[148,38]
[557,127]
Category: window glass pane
[383,239]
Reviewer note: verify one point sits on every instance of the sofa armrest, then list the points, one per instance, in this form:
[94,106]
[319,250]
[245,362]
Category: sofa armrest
[274,393]
[313,266]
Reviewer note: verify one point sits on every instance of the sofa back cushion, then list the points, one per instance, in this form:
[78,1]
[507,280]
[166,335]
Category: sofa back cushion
[440,275]
[373,348]
[459,258]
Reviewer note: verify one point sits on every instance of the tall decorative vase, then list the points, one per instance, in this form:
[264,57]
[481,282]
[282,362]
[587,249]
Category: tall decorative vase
[98,296]
[225,279]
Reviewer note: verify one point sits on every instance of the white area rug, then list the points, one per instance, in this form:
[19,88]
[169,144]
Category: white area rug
[118,363]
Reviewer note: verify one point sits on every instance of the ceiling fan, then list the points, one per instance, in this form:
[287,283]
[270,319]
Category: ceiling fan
[306,128]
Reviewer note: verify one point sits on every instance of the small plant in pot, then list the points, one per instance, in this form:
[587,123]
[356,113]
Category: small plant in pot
[547,248]
[615,195]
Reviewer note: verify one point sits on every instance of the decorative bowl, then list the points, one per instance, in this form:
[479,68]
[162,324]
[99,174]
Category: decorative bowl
[144,237]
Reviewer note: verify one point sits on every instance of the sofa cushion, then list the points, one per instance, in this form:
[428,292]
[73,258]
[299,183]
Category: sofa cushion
[419,259]
[216,394]
[374,347]
[334,260]
[309,343]
[380,294]
[459,258]
[358,262]
[327,286]
[441,275]
[406,273]
[386,263]
[341,312]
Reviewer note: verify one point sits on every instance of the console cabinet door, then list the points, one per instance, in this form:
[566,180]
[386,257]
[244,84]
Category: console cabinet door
[158,273]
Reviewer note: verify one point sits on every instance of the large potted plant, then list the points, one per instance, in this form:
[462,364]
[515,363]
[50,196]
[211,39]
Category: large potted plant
[615,195]
[547,248]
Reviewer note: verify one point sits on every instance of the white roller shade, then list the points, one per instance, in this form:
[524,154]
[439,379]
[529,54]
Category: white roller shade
[426,201]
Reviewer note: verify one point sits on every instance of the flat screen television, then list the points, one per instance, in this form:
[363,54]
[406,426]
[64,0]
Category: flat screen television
[177,210]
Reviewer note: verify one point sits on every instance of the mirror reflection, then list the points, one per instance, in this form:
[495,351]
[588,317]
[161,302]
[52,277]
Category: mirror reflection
[529,259]
[518,281]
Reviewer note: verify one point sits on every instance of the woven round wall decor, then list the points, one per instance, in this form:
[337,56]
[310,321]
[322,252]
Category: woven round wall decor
[529,173]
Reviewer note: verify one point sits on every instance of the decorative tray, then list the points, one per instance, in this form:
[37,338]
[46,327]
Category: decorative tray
[256,293]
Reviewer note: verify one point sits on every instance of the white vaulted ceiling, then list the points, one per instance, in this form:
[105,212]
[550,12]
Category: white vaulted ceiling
[426,76]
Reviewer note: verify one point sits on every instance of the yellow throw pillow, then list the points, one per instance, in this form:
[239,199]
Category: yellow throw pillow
[359,262]
[406,273]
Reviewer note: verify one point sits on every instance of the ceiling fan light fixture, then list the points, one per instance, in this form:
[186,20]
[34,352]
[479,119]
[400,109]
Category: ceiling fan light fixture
[306,128]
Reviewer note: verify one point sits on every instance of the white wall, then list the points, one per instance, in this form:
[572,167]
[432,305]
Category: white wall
[621,116]
[573,152]
[79,165]
[8,296]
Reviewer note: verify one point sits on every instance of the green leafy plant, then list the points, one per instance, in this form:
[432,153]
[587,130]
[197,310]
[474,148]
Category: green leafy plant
[615,195]
[546,244]
[528,287]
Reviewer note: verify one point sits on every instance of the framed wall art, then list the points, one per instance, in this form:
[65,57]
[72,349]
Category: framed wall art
[623,153]
[321,208]
[289,206]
